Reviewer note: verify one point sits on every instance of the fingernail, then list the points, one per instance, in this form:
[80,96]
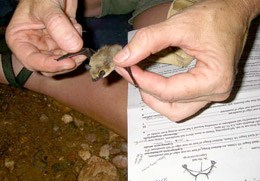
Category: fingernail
[122,55]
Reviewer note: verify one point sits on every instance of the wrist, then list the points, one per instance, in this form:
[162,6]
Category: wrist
[253,7]
[248,8]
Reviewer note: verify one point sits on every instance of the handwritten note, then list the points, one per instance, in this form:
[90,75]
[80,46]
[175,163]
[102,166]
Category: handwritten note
[220,143]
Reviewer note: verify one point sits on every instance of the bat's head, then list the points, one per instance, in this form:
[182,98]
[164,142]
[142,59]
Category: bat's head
[101,63]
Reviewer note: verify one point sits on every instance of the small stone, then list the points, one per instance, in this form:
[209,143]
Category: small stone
[9,164]
[78,123]
[66,118]
[104,151]
[72,156]
[84,146]
[39,160]
[124,147]
[97,169]
[112,136]
[44,118]
[23,139]
[120,161]
[91,137]
[114,151]
[55,128]
[61,107]
[84,154]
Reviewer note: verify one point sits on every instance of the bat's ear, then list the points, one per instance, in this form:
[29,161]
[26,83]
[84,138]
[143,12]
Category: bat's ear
[89,52]
[87,67]
[92,52]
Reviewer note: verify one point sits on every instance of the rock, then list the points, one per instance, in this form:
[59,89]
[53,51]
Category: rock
[60,106]
[124,147]
[44,118]
[97,169]
[23,139]
[112,136]
[55,128]
[85,146]
[72,156]
[91,137]
[114,151]
[78,123]
[66,118]
[9,164]
[39,160]
[120,161]
[84,154]
[105,151]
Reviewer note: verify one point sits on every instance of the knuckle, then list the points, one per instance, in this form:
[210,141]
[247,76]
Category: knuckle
[54,19]
[226,85]
[165,93]
[221,87]
[176,116]
[144,36]
[147,101]
[221,84]
[224,96]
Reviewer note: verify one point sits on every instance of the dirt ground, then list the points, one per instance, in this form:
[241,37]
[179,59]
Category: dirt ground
[40,139]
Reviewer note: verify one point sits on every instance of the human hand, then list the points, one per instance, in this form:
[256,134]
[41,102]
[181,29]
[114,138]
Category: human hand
[214,32]
[41,31]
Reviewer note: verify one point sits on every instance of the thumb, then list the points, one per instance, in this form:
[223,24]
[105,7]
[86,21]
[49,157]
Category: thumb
[62,30]
[146,41]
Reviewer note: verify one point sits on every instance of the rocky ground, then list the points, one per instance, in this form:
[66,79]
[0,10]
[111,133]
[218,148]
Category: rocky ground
[40,139]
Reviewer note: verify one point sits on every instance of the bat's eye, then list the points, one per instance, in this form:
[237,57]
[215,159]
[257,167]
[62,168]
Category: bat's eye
[101,74]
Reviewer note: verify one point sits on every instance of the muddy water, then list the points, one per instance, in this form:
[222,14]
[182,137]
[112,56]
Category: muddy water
[40,139]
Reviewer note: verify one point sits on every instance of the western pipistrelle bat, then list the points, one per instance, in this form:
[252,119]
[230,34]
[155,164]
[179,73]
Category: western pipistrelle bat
[101,62]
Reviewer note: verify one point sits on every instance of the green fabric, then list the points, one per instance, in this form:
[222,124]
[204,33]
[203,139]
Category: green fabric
[117,6]
[7,67]
[114,7]
[144,5]
[23,76]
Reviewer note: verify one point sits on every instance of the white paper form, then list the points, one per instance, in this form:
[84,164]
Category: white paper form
[220,144]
